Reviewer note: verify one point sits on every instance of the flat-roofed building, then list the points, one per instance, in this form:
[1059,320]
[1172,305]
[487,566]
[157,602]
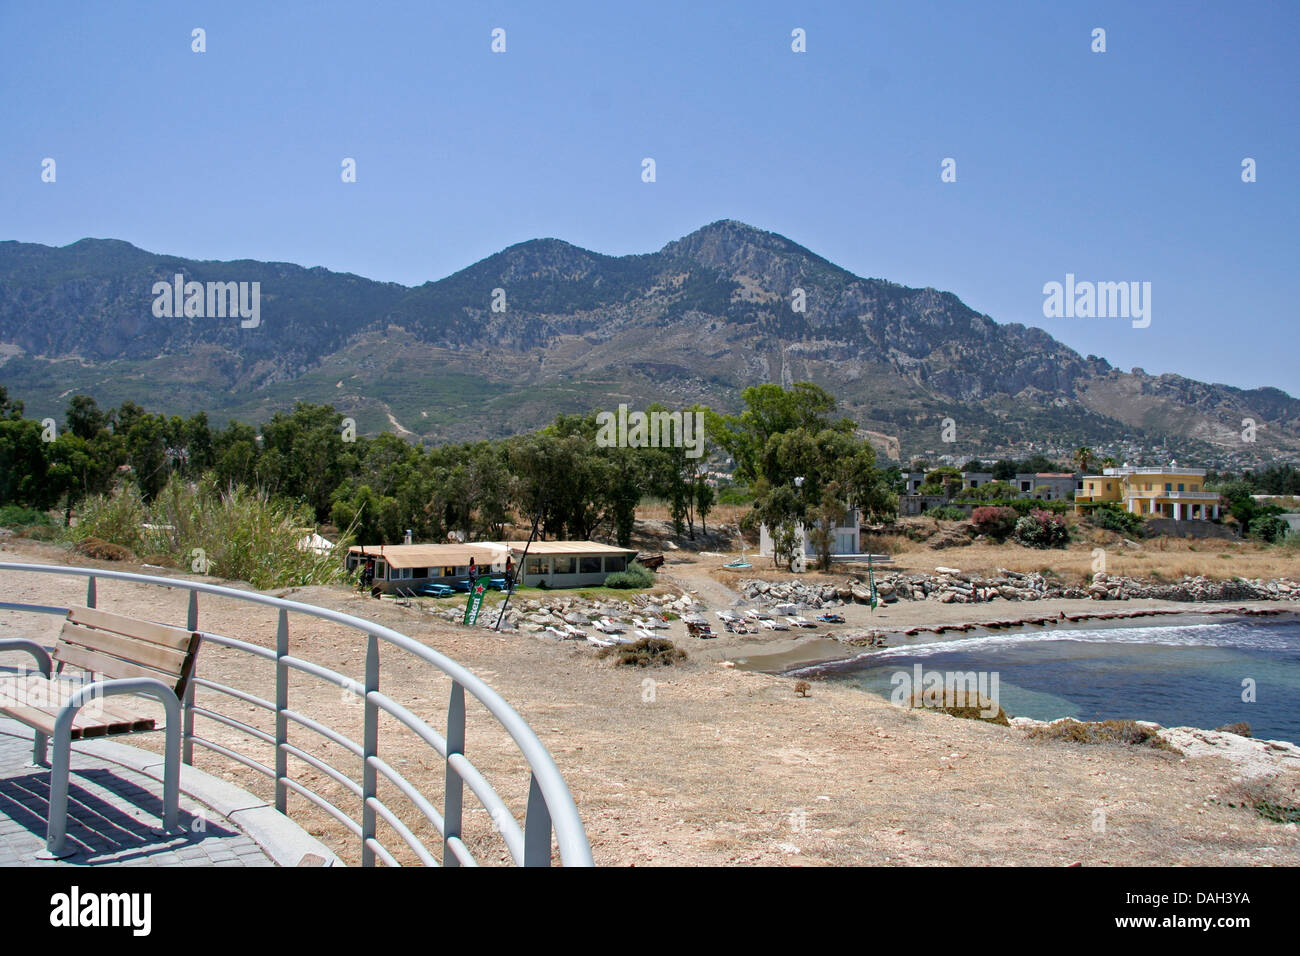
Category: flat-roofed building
[1162,492]
[554,564]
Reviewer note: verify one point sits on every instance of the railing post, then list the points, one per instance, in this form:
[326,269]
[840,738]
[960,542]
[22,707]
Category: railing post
[370,775]
[281,705]
[537,827]
[453,794]
[187,724]
[90,591]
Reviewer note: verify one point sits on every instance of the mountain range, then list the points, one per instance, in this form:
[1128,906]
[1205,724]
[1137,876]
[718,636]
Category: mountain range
[544,327]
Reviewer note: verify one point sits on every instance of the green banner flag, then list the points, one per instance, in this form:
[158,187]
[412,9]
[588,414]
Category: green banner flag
[871,575]
[477,589]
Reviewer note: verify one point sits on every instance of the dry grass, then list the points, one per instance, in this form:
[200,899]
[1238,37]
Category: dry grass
[1164,558]
[1102,732]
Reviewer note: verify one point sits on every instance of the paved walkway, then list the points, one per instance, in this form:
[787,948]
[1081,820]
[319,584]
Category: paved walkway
[113,811]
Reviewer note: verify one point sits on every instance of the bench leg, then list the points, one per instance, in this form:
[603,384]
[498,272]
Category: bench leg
[56,833]
[172,774]
[40,748]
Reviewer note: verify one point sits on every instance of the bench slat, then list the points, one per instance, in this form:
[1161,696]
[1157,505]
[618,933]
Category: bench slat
[24,691]
[111,667]
[133,651]
[176,638]
[43,721]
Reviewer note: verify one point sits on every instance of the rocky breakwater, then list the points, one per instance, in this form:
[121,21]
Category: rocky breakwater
[954,586]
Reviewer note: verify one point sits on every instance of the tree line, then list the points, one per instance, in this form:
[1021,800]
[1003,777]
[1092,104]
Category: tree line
[382,485]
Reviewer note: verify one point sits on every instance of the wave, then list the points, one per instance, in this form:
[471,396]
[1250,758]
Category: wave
[1219,634]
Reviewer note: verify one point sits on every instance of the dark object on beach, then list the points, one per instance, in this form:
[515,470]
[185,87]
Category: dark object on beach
[699,629]
[651,561]
[1241,729]
[802,687]
[830,618]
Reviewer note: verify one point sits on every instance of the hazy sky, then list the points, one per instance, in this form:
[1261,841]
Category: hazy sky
[1115,166]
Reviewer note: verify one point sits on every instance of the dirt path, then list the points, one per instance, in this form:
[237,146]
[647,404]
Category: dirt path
[705,764]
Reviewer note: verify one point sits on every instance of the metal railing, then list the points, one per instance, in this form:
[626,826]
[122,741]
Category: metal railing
[550,806]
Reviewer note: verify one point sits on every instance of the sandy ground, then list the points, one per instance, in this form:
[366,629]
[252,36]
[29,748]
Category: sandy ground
[706,764]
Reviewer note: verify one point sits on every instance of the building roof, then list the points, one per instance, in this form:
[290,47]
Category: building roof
[483,552]
[566,547]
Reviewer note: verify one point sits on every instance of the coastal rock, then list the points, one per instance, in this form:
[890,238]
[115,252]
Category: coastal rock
[1254,758]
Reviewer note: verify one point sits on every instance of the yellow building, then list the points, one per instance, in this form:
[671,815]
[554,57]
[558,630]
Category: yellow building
[1159,492]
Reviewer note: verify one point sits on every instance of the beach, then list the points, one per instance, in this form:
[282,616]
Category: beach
[725,766]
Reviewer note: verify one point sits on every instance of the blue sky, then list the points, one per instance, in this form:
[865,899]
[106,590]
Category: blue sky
[1115,166]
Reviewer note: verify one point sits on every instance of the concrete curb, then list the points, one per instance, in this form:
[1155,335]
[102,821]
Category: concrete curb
[286,843]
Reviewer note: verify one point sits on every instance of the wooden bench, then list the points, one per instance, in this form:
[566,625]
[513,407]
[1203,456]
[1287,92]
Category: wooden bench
[130,657]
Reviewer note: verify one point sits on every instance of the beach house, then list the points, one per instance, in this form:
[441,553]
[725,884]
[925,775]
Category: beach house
[1161,492]
[845,538]
[552,564]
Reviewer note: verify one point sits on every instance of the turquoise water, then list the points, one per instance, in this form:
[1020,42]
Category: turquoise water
[1179,675]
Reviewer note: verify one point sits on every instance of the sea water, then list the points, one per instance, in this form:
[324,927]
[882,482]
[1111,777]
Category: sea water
[1196,675]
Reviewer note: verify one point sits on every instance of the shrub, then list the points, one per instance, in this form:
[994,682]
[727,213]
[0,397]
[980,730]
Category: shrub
[16,516]
[637,575]
[118,518]
[1114,518]
[946,513]
[236,533]
[1270,528]
[1102,731]
[959,705]
[647,652]
[997,523]
[1041,529]
[103,550]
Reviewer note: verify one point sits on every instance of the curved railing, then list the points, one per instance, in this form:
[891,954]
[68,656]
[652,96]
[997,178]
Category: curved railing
[550,806]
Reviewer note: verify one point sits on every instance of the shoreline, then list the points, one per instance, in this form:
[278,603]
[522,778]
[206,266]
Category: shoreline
[1256,755]
[804,652]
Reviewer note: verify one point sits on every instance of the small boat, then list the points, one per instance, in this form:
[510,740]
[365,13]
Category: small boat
[739,564]
[830,618]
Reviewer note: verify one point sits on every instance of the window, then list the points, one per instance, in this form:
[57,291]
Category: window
[613,563]
[381,569]
[563,565]
[1024,486]
[419,572]
[449,571]
[538,566]
[1180,486]
[589,565]
[1169,486]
